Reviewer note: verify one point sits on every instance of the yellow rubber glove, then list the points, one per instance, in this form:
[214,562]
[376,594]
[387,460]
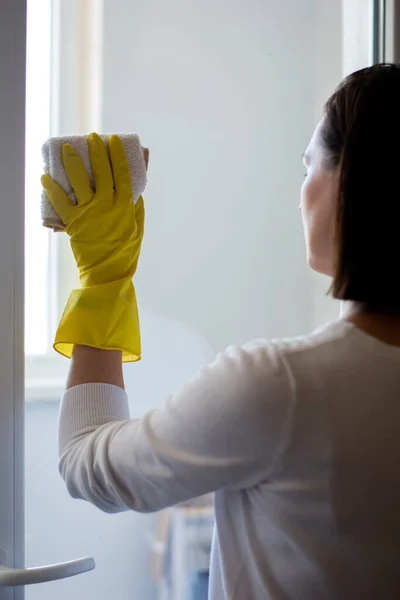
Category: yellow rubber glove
[106,231]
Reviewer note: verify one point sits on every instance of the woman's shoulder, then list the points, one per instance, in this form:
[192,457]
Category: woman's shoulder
[322,339]
[267,367]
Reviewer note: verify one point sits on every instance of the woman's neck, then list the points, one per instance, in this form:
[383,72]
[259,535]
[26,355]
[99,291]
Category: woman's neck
[384,327]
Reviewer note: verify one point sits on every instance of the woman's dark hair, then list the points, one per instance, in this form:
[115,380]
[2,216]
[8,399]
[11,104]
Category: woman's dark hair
[360,134]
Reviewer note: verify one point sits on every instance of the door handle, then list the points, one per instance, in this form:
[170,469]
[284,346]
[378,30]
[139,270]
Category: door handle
[14,577]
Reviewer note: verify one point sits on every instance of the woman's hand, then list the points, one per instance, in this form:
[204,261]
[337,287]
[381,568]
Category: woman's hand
[105,227]
[106,231]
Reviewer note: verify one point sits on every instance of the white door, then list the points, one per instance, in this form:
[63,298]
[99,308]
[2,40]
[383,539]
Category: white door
[225,95]
[12,115]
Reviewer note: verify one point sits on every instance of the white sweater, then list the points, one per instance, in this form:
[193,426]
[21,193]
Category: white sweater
[300,440]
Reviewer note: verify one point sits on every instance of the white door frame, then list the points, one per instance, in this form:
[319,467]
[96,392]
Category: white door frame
[12,161]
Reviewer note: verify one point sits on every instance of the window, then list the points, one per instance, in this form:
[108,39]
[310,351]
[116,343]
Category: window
[45,372]
[62,38]
[37,239]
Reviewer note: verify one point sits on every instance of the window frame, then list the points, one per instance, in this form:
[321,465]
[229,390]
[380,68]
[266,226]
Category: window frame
[75,107]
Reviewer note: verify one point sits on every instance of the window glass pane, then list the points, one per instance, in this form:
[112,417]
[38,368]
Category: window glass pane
[37,130]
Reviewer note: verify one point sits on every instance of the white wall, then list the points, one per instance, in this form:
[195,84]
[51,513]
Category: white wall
[224,93]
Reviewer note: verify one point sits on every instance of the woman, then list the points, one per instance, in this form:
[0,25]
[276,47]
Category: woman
[298,438]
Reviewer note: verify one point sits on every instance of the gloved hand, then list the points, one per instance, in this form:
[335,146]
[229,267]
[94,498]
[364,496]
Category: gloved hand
[106,231]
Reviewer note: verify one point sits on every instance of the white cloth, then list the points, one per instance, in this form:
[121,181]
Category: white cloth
[53,165]
[299,438]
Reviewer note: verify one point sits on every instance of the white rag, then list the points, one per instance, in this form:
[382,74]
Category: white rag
[53,165]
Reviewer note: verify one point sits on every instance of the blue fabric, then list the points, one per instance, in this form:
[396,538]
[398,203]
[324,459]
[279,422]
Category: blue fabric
[198,585]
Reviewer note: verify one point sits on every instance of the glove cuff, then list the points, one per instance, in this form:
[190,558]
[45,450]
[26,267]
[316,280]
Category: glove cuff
[101,316]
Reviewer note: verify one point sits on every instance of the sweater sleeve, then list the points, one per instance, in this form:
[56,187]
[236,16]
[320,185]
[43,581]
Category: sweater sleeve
[224,429]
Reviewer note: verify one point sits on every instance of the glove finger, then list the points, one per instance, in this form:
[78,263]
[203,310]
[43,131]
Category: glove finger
[58,199]
[101,167]
[140,215]
[120,168]
[77,174]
